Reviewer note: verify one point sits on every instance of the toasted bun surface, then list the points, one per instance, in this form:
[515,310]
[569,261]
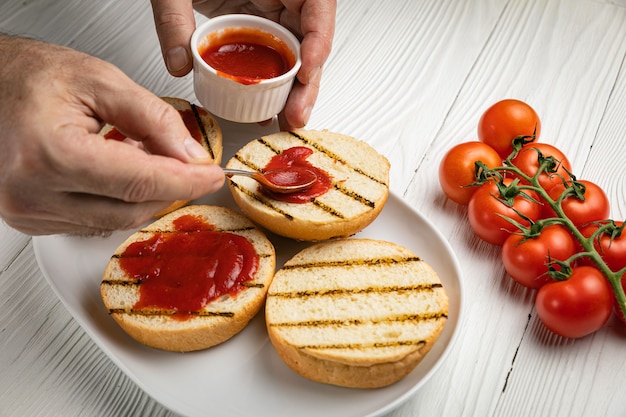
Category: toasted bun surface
[219,319]
[203,127]
[357,313]
[360,185]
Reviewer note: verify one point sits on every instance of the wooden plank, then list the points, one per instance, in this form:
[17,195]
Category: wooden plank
[11,244]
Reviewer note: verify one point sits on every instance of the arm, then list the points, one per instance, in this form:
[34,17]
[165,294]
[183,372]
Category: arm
[57,175]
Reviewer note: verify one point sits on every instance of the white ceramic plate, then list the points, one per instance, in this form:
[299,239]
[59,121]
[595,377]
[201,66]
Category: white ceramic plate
[244,376]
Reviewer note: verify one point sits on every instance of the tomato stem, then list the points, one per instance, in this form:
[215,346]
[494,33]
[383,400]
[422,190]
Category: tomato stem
[572,188]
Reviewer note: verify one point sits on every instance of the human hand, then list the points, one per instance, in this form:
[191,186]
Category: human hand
[58,175]
[313,21]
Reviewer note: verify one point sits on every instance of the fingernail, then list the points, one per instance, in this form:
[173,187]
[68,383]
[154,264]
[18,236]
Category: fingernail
[306,114]
[315,76]
[176,59]
[195,150]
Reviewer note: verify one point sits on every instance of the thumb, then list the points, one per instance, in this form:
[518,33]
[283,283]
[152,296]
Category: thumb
[146,118]
[175,23]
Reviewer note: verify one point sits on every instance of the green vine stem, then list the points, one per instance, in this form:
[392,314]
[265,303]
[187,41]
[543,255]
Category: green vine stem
[549,165]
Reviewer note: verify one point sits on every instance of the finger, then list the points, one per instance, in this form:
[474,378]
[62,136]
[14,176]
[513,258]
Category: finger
[107,214]
[117,170]
[299,104]
[90,216]
[37,227]
[317,23]
[175,23]
[47,211]
[144,117]
[76,213]
[317,27]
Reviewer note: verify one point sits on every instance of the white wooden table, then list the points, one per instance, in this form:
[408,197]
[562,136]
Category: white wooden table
[411,78]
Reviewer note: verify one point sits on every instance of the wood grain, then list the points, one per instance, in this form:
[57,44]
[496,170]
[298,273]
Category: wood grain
[411,78]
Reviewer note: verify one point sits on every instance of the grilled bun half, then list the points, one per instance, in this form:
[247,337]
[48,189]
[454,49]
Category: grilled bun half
[358,179]
[202,126]
[190,280]
[356,313]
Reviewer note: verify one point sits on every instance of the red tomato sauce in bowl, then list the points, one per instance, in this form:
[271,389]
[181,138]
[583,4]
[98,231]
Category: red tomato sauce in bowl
[246,55]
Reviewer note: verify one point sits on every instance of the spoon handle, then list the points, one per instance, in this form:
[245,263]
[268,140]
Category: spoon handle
[281,180]
[229,172]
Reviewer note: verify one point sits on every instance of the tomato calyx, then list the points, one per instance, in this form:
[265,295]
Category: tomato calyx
[509,192]
[547,164]
[563,272]
[607,228]
[482,174]
[518,143]
[535,227]
[573,188]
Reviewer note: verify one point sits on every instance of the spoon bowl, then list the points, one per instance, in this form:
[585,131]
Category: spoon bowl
[279,180]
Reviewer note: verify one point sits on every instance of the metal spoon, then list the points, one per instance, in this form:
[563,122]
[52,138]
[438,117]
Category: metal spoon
[279,180]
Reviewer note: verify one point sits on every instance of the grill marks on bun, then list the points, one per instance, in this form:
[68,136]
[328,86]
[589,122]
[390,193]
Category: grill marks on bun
[360,185]
[336,157]
[355,312]
[363,288]
[206,139]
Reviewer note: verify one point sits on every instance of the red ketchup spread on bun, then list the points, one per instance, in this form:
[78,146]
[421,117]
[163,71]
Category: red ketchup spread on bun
[184,270]
[292,176]
[246,55]
[296,157]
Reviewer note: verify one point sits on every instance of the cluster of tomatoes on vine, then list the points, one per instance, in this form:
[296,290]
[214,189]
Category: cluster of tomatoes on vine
[553,228]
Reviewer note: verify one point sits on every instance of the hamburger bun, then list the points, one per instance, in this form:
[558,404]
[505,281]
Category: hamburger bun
[189,255]
[357,313]
[359,185]
[202,126]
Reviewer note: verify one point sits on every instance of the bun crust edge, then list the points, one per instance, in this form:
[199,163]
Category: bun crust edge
[305,229]
[356,312]
[345,375]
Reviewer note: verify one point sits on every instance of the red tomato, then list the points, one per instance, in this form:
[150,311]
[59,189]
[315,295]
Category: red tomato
[485,208]
[457,169]
[612,251]
[527,160]
[526,260]
[577,306]
[506,120]
[594,207]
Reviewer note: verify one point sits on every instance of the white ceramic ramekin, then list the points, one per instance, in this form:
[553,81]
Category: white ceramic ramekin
[229,99]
